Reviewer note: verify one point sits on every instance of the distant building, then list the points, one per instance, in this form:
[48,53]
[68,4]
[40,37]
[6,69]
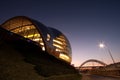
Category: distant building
[115,66]
[49,39]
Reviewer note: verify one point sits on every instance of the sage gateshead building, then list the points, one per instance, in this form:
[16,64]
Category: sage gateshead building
[49,39]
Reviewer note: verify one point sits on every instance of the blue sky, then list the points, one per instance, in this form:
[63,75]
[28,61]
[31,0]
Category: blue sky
[84,22]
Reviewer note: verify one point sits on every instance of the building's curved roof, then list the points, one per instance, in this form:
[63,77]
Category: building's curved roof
[56,33]
[50,39]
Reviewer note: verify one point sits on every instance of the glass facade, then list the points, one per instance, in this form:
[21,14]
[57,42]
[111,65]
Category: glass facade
[61,46]
[24,28]
[28,28]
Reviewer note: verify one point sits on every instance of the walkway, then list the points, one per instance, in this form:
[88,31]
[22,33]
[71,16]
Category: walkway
[95,77]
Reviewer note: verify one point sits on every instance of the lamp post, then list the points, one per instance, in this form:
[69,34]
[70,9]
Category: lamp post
[102,45]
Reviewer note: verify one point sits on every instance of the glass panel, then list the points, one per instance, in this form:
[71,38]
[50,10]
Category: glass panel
[25,28]
[64,57]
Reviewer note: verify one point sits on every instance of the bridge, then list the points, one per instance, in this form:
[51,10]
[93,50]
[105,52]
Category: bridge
[100,69]
[85,68]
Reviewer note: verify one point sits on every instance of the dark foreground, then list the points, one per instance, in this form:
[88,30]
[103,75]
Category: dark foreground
[21,59]
[96,77]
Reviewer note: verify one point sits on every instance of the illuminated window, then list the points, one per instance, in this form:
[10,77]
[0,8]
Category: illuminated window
[43,48]
[37,39]
[59,42]
[64,57]
[41,43]
[57,50]
[31,35]
[48,37]
[59,38]
[58,46]
[61,46]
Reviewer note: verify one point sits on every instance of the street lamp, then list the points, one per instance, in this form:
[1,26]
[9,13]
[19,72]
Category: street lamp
[102,45]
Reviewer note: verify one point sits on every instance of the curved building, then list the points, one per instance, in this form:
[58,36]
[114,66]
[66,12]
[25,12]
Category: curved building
[49,39]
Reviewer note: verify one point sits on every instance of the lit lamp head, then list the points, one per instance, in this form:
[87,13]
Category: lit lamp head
[101,45]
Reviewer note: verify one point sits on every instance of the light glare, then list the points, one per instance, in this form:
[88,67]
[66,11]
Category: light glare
[101,45]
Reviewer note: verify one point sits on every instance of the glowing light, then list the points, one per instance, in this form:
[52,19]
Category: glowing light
[30,36]
[61,39]
[37,39]
[57,41]
[42,43]
[35,35]
[64,57]
[101,45]
[28,28]
[43,48]
[48,37]
[57,49]
[58,46]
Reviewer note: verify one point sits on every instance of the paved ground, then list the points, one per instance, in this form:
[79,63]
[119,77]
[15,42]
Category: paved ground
[95,77]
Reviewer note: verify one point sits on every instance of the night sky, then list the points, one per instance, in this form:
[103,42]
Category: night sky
[85,23]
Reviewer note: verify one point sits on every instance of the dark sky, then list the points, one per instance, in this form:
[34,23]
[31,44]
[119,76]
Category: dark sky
[84,22]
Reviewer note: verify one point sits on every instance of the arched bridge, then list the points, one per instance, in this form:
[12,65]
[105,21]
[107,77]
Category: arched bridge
[93,60]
